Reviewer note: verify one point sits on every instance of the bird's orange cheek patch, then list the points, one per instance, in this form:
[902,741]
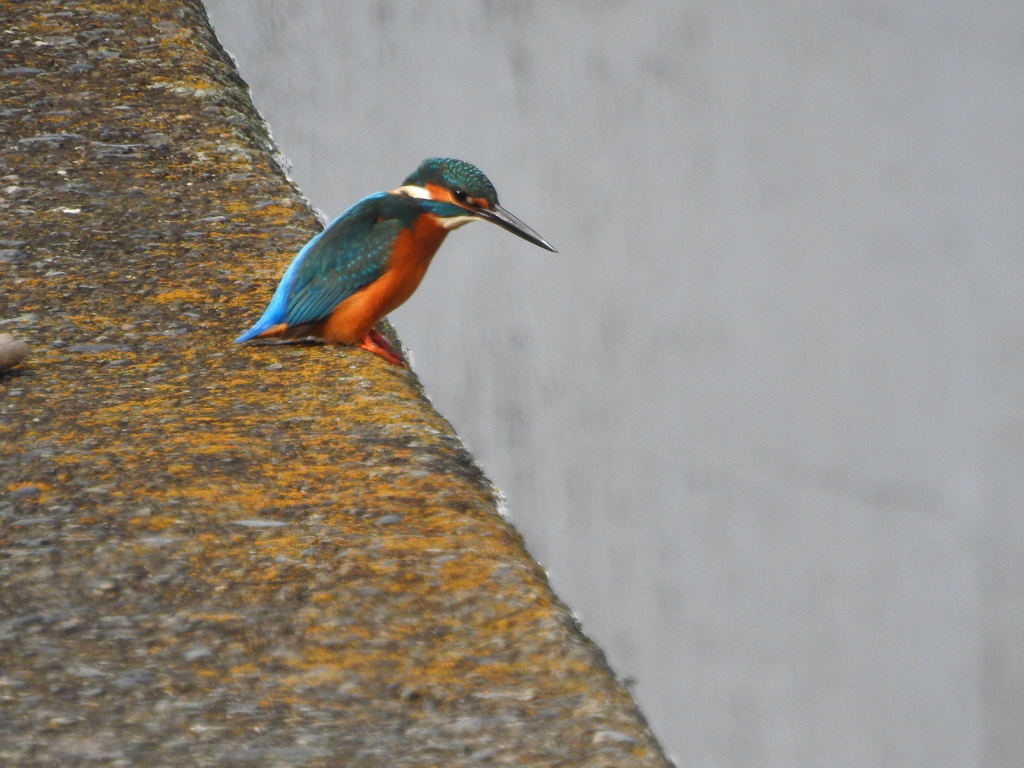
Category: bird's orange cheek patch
[439,193]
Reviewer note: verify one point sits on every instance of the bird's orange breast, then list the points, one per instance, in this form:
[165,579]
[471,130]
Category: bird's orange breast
[414,247]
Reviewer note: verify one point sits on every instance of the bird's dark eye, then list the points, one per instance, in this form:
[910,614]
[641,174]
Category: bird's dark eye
[459,195]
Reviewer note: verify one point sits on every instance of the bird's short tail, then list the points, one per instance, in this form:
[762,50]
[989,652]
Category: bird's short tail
[252,333]
[265,324]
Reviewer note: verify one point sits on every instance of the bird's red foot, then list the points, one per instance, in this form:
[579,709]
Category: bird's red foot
[374,342]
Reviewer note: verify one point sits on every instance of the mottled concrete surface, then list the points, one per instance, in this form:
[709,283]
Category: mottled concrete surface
[220,555]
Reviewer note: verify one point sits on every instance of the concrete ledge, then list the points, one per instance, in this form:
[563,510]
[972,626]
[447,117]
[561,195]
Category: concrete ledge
[212,554]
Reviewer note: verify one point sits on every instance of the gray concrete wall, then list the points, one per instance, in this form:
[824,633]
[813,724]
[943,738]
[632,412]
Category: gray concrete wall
[763,416]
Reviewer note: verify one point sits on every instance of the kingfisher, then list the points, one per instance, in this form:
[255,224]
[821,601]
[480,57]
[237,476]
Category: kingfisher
[371,258]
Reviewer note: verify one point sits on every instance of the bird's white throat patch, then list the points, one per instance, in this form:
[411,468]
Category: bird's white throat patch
[456,221]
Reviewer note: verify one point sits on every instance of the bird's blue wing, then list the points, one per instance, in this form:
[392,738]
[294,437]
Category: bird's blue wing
[352,251]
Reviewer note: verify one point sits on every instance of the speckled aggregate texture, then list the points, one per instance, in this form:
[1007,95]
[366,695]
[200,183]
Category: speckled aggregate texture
[220,555]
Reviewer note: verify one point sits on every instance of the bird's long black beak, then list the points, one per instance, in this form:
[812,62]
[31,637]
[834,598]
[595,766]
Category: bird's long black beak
[506,220]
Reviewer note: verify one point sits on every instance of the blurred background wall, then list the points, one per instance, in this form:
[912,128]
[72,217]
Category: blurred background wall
[762,417]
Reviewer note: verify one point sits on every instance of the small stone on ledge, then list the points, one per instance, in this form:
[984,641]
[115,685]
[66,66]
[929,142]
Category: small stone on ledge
[12,351]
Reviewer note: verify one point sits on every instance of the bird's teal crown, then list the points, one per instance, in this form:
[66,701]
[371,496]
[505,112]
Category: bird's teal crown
[453,174]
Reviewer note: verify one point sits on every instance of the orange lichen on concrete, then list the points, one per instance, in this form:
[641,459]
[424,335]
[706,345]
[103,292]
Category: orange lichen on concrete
[278,214]
[210,552]
[180,294]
